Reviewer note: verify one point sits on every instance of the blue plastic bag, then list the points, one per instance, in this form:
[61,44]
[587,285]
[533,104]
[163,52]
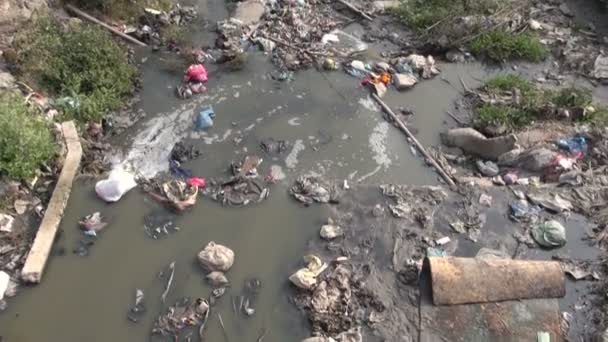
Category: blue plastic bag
[205,118]
[573,145]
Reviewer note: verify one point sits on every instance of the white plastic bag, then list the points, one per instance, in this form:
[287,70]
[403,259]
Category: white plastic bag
[119,182]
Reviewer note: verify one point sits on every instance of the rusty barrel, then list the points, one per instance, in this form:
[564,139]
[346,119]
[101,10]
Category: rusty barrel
[479,280]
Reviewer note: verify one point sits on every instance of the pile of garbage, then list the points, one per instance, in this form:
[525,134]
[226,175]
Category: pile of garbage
[402,72]
[325,299]
[182,319]
[309,190]
[151,22]
[244,187]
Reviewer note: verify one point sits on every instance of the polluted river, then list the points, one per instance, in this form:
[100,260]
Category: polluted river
[333,130]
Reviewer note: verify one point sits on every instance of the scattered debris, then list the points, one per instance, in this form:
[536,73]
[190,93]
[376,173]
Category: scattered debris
[330,230]
[94,222]
[5,279]
[183,316]
[216,257]
[171,269]
[308,190]
[138,309]
[306,278]
[244,187]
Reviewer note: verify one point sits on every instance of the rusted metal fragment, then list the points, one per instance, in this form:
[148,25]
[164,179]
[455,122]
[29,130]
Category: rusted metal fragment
[503,321]
[515,320]
[482,280]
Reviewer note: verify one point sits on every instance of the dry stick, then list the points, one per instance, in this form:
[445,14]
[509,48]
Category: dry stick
[169,282]
[222,325]
[457,119]
[355,9]
[467,90]
[104,25]
[432,160]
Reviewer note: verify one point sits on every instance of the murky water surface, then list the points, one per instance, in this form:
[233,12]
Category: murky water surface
[334,129]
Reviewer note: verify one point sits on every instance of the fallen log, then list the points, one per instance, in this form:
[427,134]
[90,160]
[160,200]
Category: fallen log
[419,146]
[94,20]
[356,10]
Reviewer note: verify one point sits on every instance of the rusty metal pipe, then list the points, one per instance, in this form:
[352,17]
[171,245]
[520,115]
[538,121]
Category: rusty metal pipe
[481,280]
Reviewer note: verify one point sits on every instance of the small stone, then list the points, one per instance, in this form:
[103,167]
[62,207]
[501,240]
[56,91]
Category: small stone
[565,10]
[485,200]
[488,168]
[249,12]
[6,223]
[534,25]
[378,210]
[358,65]
[330,231]
[404,81]
[383,66]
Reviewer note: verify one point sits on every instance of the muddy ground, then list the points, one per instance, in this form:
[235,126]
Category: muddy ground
[384,255]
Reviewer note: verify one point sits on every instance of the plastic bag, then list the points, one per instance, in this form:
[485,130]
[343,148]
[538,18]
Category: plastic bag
[550,234]
[119,182]
[205,118]
[196,73]
[215,257]
[306,278]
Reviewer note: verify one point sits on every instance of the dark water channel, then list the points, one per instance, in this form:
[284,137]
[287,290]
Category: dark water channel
[339,134]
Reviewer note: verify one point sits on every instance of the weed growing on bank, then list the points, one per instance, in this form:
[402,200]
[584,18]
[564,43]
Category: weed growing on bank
[500,46]
[128,10]
[26,140]
[82,66]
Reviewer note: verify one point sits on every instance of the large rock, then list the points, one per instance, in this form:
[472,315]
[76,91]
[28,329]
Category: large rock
[473,142]
[216,257]
[249,12]
[383,5]
[404,81]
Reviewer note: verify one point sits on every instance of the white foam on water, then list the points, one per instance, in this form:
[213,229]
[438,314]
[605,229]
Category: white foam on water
[276,171]
[292,158]
[294,121]
[369,103]
[377,143]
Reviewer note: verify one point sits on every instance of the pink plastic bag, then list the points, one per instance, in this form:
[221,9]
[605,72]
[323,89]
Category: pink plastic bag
[196,73]
[197,182]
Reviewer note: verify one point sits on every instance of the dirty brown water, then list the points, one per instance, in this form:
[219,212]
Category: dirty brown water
[344,137]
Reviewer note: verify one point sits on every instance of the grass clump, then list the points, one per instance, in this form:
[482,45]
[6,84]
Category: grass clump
[83,65]
[421,14]
[502,115]
[501,46]
[512,101]
[26,140]
[122,9]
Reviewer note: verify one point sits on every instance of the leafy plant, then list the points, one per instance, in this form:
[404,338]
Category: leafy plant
[84,66]
[123,9]
[26,140]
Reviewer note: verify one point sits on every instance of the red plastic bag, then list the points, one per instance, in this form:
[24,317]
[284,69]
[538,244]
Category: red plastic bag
[196,73]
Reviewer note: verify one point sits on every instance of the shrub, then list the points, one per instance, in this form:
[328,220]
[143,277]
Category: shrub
[25,141]
[509,82]
[501,46]
[84,64]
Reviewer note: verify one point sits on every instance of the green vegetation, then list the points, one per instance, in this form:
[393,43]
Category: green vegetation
[84,66]
[501,46]
[532,103]
[436,20]
[123,9]
[26,140]
[421,14]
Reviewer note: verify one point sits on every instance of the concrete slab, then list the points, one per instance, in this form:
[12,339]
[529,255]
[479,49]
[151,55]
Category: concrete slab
[41,248]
